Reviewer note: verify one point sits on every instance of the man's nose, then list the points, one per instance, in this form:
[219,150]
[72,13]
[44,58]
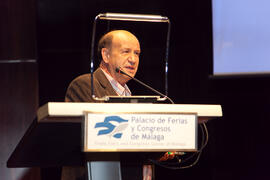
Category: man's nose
[132,58]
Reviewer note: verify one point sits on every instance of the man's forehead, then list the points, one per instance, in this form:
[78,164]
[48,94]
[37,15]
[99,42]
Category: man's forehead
[125,41]
[122,34]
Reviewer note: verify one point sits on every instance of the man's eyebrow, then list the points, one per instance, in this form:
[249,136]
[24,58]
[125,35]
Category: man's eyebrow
[128,48]
[124,49]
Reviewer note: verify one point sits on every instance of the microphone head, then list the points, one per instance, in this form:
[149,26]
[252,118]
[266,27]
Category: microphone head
[118,70]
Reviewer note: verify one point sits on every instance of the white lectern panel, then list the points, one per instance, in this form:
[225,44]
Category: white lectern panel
[140,132]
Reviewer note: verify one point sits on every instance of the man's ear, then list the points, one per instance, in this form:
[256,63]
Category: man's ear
[105,55]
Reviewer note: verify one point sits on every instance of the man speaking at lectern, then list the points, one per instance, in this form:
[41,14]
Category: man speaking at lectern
[118,49]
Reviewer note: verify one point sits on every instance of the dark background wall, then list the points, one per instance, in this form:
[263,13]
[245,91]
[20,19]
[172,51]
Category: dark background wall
[18,82]
[238,146]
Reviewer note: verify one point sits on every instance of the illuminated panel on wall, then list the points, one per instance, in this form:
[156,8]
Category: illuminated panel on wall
[241,37]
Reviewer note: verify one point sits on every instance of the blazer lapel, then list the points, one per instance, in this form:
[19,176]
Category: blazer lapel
[105,85]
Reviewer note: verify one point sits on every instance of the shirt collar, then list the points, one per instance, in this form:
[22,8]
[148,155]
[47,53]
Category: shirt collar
[120,90]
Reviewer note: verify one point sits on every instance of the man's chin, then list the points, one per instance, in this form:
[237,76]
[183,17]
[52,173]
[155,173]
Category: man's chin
[131,73]
[128,78]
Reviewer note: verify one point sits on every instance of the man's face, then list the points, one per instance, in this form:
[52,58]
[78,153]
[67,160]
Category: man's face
[124,54]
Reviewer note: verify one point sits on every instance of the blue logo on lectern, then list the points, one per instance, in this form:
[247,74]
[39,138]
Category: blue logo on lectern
[111,129]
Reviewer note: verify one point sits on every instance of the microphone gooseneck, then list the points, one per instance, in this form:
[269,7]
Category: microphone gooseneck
[118,70]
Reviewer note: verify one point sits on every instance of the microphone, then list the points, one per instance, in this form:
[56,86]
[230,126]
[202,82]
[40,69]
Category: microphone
[118,70]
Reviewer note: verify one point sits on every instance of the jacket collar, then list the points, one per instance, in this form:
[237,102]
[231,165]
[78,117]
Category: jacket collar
[104,82]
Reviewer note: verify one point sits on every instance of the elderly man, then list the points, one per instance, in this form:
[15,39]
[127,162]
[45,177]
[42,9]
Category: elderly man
[117,49]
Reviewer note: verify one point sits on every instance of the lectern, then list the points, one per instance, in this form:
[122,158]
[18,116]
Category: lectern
[65,134]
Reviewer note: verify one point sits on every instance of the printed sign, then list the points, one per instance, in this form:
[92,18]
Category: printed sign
[140,132]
